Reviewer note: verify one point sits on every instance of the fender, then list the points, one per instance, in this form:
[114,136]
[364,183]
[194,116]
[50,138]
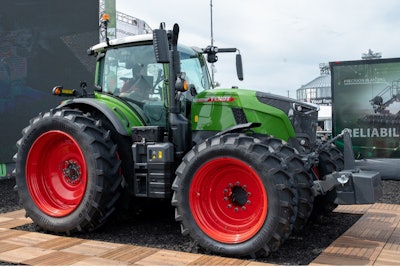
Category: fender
[101,107]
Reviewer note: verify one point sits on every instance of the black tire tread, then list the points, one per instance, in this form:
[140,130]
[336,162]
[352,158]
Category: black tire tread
[283,182]
[107,187]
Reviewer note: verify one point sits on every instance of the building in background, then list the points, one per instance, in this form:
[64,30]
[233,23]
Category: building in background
[128,25]
[121,24]
[318,91]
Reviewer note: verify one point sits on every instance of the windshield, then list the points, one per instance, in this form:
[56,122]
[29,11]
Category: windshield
[195,68]
[132,72]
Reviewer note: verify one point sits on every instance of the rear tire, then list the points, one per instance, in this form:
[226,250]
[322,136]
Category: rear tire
[67,172]
[233,197]
[303,179]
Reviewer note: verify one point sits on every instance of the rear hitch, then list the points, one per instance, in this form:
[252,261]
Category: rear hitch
[353,186]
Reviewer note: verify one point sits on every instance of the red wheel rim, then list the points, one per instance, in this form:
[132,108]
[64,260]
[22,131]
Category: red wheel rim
[228,200]
[56,173]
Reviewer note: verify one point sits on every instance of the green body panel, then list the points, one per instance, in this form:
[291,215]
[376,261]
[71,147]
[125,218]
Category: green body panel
[212,111]
[125,113]
[3,170]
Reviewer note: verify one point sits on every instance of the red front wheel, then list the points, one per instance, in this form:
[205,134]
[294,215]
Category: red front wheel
[228,200]
[233,196]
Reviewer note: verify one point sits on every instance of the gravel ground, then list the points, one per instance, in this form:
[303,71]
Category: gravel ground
[157,228]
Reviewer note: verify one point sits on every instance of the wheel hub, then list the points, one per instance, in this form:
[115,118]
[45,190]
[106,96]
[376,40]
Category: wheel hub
[237,196]
[71,172]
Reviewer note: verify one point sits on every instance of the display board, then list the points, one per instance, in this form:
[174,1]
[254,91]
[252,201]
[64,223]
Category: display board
[43,43]
[366,100]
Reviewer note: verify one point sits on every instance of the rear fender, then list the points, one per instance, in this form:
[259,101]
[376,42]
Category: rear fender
[89,103]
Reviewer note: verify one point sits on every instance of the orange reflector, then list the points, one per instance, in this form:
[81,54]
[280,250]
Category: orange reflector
[105,17]
[57,90]
[185,85]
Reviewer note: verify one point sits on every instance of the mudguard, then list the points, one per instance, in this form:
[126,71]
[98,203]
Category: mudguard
[103,108]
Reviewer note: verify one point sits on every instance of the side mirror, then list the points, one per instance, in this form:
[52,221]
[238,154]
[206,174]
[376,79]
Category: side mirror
[239,67]
[160,42]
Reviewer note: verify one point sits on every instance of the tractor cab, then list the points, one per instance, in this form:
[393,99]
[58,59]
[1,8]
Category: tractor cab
[127,68]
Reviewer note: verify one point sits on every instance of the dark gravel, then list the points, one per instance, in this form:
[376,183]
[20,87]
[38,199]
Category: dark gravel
[156,228]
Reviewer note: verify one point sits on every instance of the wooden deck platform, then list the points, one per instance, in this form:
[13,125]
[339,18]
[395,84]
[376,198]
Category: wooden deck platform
[373,240]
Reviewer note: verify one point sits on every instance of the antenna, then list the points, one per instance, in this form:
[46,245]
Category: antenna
[212,44]
[212,51]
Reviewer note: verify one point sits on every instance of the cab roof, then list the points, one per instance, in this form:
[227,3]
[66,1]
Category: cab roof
[119,41]
[135,39]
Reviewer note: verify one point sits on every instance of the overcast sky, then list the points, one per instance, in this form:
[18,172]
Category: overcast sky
[282,42]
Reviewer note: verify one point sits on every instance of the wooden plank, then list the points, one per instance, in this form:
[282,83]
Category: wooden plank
[257,263]
[374,226]
[373,240]
[330,260]
[55,258]
[7,246]
[97,261]
[350,251]
[353,209]
[205,260]
[7,233]
[168,257]
[60,243]
[383,207]
[17,214]
[28,239]
[21,254]
[13,219]
[92,248]
[14,223]
[388,257]
[129,253]
[5,219]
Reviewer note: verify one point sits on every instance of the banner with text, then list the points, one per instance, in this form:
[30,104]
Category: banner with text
[366,100]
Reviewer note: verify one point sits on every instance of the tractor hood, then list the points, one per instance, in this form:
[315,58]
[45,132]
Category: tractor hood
[303,116]
[286,103]
[279,116]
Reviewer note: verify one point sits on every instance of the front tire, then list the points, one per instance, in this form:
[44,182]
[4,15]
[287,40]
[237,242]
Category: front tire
[233,196]
[67,172]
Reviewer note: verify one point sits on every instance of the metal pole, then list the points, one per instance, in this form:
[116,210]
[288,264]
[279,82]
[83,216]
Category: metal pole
[212,44]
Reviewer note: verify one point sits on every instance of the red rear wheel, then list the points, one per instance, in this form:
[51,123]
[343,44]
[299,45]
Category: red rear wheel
[228,200]
[67,171]
[57,173]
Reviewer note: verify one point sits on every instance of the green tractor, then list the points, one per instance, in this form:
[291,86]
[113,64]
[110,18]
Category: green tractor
[242,168]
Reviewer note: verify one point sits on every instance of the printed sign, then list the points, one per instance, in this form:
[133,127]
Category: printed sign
[366,100]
